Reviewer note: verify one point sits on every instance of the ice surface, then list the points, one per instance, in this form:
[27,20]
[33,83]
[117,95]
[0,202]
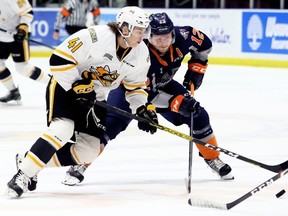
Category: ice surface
[142,174]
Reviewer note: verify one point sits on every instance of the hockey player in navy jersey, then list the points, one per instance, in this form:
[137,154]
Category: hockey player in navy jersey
[168,45]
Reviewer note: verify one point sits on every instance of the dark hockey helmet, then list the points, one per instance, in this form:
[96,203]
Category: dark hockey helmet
[160,23]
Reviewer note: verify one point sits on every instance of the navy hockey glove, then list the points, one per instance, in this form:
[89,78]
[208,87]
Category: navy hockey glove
[83,92]
[148,112]
[184,105]
[22,32]
[195,73]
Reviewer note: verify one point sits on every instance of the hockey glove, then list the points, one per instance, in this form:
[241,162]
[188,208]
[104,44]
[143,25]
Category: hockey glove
[22,32]
[83,92]
[184,105]
[195,73]
[148,112]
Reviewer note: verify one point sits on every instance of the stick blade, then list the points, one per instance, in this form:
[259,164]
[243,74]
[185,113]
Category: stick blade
[196,202]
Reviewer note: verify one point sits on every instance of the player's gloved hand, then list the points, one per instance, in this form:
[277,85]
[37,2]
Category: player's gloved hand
[185,105]
[195,73]
[83,92]
[148,112]
[22,32]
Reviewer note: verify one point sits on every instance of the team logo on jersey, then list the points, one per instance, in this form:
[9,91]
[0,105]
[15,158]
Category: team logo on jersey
[103,74]
[184,33]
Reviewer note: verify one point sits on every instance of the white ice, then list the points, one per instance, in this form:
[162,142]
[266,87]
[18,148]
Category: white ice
[143,174]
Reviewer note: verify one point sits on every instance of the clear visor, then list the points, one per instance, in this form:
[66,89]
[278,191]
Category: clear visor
[141,32]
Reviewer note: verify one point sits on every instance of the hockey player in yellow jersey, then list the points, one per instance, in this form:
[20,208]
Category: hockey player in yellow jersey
[85,67]
[16,17]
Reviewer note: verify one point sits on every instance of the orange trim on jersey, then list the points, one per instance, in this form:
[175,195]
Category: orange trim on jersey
[65,12]
[161,61]
[96,12]
[101,150]
[197,67]
[176,102]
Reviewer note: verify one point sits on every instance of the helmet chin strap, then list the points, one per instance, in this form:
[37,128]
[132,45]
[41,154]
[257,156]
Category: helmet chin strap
[124,39]
[126,42]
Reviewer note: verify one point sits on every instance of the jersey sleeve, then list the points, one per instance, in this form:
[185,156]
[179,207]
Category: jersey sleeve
[201,44]
[136,83]
[25,12]
[68,55]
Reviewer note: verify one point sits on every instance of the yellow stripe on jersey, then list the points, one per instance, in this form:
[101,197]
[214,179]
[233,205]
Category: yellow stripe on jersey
[138,91]
[26,50]
[35,159]
[21,13]
[73,152]
[61,68]
[52,141]
[52,87]
[7,79]
[55,160]
[131,86]
[29,16]
[68,56]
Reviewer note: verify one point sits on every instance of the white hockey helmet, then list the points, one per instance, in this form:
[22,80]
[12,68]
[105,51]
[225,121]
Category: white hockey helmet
[132,16]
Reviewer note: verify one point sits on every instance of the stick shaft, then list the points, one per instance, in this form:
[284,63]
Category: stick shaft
[274,168]
[40,43]
[190,158]
[31,40]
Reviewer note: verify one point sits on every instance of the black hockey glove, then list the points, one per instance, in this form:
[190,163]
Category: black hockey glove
[184,105]
[22,32]
[148,112]
[195,73]
[83,92]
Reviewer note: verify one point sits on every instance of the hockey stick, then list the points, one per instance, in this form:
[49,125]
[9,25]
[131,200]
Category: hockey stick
[210,204]
[190,145]
[29,39]
[40,43]
[274,168]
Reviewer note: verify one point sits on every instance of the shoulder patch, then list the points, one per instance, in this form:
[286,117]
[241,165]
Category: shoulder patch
[93,35]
